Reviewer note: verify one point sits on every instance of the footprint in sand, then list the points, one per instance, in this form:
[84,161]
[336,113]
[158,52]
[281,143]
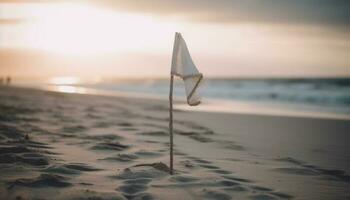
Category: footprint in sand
[215,194]
[237,188]
[208,165]
[296,171]
[259,188]
[110,146]
[183,178]
[221,171]
[282,195]
[81,167]
[24,151]
[231,145]
[146,153]
[89,194]
[122,158]
[26,158]
[155,133]
[104,137]
[129,129]
[301,168]
[74,129]
[124,124]
[136,180]
[199,160]
[198,136]
[195,126]
[61,169]
[44,180]
[131,189]
[262,197]
[188,164]
[243,185]
[234,178]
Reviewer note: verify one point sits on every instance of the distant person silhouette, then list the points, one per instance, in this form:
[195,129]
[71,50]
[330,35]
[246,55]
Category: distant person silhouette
[8,80]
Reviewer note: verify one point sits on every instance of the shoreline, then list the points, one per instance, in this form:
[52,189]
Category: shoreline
[212,105]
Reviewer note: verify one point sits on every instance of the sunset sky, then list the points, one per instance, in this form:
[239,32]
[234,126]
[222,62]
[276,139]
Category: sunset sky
[123,38]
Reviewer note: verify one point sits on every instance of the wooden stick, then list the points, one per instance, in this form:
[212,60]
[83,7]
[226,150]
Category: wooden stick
[171,105]
[171,123]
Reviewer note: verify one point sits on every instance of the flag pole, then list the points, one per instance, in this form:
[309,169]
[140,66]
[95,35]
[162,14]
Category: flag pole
[171,122]
[171,107]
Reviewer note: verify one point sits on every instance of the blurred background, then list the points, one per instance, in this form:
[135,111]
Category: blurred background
[291,54]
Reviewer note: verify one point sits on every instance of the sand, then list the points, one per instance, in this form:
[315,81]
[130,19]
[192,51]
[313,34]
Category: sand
[74,146]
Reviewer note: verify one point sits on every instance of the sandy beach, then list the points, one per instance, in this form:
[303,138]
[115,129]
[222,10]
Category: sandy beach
[77,146]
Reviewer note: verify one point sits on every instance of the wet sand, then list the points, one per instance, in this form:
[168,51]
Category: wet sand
[74,146]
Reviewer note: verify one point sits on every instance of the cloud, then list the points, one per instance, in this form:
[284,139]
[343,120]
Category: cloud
[314,12]
[320,12]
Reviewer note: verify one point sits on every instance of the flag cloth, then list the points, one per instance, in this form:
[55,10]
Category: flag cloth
[183,66]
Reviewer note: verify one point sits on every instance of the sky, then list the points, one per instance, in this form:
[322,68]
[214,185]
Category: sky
[123,38]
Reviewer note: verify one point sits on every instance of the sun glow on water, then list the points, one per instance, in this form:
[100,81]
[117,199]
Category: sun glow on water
[69,89]
[64,80]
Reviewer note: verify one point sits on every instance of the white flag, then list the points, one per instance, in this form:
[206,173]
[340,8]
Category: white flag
[183,66]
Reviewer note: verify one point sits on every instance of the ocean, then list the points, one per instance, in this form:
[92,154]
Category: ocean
[301,96]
